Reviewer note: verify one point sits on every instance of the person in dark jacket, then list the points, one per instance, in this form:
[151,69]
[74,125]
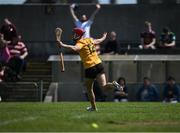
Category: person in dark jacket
[111,47]
[171,92]
[121,93]
[147,92]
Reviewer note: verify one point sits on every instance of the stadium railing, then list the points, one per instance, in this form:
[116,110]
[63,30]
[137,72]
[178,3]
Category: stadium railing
[124,48]
[76,88]
[64,92]
[21,91]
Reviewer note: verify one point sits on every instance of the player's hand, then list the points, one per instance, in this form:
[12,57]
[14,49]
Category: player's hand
[98,6]
[122,93]
[6,20]
[72,6]
[59,41]
[105,34]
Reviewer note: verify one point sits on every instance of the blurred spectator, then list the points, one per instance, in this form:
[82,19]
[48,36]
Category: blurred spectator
[84,23]
[18,52]
[148,91]
[171,92]
[1,72]
[9,31]
[121,94]
[167,39]
[16,49]
[98,49]
[111,47]
[148,37]
[4,51]
[4,55]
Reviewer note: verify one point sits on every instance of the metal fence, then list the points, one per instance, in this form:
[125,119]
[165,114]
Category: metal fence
[21,91]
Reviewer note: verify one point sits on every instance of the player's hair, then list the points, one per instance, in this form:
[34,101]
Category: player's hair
[147,23]
[147,78]
[122,78]
[170,78]
[166,29]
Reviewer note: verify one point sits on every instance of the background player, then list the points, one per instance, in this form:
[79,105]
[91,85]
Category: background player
[84,23]
[92,63]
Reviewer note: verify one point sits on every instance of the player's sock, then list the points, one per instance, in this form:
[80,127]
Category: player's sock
[111,86]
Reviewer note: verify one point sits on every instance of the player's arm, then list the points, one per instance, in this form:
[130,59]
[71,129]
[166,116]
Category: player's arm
[170,44]
[73,13]
[74,48]
[100,40]
[173,38]
[6,20]
[24,55]
[152,43]
[24,50]
[98,7]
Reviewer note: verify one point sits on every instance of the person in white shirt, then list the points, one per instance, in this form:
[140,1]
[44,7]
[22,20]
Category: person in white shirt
[84,23]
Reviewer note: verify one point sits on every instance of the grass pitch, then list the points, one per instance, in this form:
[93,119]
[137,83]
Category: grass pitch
[72,117]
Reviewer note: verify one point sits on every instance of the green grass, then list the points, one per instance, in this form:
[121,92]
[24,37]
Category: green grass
[72,116]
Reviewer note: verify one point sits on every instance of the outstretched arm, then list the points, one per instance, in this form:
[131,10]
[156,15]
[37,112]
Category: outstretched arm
[100,40]
[6,20]
[98,7]
[73,13]
[74,48]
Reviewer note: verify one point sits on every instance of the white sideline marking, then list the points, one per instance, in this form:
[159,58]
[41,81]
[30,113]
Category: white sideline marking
[17,120]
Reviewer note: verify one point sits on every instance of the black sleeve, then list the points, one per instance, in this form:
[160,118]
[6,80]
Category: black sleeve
[116,47]
[142,35]
[106,47]
[14,32]
[125,89]
[161,37]
[2,30]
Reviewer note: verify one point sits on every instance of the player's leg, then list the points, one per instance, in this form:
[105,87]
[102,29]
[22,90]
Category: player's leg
[90,92]
[101,78]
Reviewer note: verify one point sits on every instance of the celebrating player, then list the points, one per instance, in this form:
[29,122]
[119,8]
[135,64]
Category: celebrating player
[84,23]
[92,63]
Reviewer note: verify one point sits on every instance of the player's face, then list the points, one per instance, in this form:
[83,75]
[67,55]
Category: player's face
[84,18]
[166,31]
[146,82]
[121,82]
[112,36]
[171,82]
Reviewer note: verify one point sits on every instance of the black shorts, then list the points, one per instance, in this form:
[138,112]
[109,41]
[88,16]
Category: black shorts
[92,72]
